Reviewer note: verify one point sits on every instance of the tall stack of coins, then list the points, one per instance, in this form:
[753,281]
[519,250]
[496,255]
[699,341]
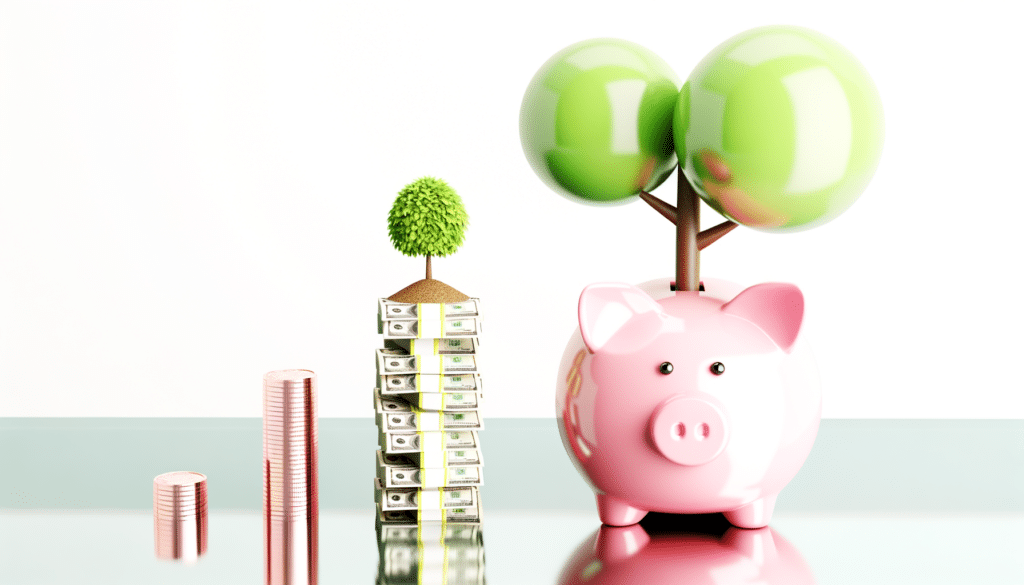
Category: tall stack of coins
[179,515]
[290,511]
[428,397]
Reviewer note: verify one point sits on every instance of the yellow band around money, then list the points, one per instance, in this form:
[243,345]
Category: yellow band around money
[422,417]
[423,454]
[444,564]
[433,347]
[428,452]
[421,561]
[419,550]
[429,320]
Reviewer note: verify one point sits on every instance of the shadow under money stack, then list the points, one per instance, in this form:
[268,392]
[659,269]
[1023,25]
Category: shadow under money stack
[428,395]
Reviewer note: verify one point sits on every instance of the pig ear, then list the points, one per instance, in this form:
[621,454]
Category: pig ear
[777,308]
[605,308]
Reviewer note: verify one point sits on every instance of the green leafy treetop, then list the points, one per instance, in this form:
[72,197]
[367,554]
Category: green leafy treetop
[427,219]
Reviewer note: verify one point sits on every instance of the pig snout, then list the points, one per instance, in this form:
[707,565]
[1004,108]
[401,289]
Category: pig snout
[689,430]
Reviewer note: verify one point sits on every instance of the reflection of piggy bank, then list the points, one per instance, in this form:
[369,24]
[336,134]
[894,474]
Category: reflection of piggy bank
[632,556]
[688,404]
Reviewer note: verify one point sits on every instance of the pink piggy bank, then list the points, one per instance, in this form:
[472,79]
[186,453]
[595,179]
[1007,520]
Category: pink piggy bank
[688,403]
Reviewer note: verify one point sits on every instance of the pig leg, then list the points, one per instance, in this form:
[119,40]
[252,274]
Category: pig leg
[756,514]
[616,512]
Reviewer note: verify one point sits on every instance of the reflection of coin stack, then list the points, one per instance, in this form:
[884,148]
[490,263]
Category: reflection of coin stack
[179,515]
[411,553]
[427,399]
[290,536]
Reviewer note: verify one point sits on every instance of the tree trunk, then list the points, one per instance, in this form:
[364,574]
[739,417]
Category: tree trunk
[687,226]
[428,268]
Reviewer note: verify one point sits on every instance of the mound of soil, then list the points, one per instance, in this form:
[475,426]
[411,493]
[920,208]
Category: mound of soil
[428,290]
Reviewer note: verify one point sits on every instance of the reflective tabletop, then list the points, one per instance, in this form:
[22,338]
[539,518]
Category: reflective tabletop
[76,507]
[535,547]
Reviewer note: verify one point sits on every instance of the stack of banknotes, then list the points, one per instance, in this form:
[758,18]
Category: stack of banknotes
[427,400]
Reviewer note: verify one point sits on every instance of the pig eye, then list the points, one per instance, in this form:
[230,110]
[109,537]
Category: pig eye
[665,368]
[718,368]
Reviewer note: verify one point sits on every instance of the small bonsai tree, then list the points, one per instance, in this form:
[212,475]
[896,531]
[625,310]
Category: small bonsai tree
[427,219]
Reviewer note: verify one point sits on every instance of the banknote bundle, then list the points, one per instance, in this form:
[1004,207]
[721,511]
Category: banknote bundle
[427,401]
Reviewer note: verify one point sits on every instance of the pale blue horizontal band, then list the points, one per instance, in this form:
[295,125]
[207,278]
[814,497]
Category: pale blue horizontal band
[877,465]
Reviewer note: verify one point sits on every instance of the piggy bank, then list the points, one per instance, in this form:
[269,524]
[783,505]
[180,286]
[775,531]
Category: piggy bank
[688,402]
[631,555]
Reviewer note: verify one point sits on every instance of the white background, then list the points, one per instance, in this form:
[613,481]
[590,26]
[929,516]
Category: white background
[192,194]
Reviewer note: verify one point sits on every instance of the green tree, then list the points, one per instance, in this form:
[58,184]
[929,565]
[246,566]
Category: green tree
[427,219]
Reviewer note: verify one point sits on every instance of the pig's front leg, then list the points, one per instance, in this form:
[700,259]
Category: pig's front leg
[756,514]
[616,512]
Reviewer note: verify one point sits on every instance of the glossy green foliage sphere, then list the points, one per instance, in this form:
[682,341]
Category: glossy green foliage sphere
[779,128]
[596,121]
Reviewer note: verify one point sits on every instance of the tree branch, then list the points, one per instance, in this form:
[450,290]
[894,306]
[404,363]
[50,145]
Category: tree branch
[668,211]
[687,260]
[711,235]
[687,227]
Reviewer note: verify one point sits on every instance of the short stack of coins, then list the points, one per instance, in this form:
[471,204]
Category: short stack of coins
[179,515]
[422,553]
[428,396]
[290,510]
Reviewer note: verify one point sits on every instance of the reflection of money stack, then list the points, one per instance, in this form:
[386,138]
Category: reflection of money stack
[427,399]
[431,552]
